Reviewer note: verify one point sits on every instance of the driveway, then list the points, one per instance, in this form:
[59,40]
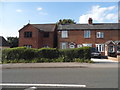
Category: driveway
[103,60]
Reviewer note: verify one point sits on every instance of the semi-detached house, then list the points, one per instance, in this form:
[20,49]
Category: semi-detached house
[104,36]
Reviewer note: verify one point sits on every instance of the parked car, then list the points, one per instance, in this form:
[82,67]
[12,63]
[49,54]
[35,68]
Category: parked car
[95,53]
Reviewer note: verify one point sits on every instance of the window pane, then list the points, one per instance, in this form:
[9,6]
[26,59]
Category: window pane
[46,34]
[100,35]
[64,45]
[86,34]
[64,34]
[27,34]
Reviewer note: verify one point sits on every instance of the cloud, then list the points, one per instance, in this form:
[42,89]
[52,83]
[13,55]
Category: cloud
[39,9]
[100,14]
[19,10]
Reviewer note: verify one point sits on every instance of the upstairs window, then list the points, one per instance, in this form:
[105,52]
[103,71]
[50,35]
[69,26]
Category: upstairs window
[100,34]
[46,34]
[27,34]
[87,34]
[64,34]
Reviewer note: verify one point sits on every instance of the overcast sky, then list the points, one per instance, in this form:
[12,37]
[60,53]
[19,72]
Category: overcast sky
[14,15]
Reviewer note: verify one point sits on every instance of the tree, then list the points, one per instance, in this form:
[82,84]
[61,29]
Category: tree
[66,21]
[13,41]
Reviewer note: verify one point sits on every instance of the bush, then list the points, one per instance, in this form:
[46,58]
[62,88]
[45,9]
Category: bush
[19,53]
[49,53]
[81,53]
[30,55]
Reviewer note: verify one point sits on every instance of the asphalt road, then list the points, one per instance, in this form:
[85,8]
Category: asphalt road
[91,77]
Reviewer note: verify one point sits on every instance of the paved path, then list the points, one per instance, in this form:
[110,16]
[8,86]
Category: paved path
[103,60]
[98,63]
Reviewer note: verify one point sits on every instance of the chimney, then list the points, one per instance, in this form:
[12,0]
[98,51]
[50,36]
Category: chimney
[90,21]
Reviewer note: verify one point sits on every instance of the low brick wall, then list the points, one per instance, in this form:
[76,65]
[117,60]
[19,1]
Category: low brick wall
[115,58]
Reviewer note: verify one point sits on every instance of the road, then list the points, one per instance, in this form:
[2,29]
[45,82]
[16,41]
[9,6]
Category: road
[91,77]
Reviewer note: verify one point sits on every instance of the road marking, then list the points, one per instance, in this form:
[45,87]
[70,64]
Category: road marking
[31,88]
[43,85]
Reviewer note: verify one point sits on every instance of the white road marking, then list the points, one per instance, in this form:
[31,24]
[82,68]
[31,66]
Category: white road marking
[43,85]
[31,88]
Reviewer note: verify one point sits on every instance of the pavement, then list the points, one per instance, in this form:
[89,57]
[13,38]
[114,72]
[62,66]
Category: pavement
[103,60]
[98,63]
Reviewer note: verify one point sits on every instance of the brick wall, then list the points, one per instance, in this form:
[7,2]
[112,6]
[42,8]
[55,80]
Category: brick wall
[28,41]
[37,40]
[77,36]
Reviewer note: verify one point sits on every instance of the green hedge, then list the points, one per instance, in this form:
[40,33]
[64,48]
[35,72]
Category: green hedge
[49,53]
[82,53]
[21,54]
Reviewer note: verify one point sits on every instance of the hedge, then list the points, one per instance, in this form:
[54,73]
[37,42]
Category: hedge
[20,54]
[81,53]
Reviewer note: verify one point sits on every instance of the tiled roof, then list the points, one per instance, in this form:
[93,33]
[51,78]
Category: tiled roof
[103,26]
[3,42]
[45,27]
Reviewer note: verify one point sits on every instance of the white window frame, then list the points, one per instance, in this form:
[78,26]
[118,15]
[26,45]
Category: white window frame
[64,34]
[100,35]
[87,45]
[87,33]
[72,46]
[63,45]
[100,47]
[28,46]
[79,45]
[113,48]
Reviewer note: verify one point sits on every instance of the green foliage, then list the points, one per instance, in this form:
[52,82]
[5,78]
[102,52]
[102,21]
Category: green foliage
[13,41]
[81,53]
[66,21]
[30,55]
[19,53]
[49,53]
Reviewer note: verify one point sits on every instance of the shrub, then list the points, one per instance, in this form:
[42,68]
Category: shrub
[49,53]
[27,55]
[70,54]
[60,59]
[19,53]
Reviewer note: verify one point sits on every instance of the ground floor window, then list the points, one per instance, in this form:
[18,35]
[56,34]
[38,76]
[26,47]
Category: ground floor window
[100,47]
[87,45]
[63,45]
[28,46]
[72,45]
[45,46]
[118,49]
[111,49]
[79,45]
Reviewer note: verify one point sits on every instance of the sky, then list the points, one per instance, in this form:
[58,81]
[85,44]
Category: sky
[14,15]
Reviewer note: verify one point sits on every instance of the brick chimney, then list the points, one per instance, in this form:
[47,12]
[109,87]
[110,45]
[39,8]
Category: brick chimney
[90,21]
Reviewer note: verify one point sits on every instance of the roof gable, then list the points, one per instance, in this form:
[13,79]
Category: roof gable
[3,42]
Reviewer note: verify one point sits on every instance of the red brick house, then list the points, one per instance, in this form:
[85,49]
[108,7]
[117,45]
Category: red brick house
[103,36]
[38,36]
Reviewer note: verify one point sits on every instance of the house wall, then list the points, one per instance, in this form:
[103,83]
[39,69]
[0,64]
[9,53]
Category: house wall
[28,41]
[37,40]
[49,41]
[77,36]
